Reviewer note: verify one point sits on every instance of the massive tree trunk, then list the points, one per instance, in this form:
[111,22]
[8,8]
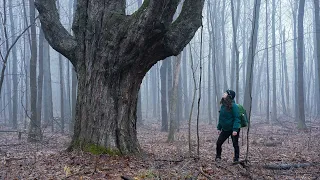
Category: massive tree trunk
[112,53]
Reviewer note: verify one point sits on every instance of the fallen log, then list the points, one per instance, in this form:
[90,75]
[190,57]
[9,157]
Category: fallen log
[287,166]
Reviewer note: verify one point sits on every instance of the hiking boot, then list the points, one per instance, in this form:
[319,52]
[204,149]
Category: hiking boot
[235,160]
[218,159]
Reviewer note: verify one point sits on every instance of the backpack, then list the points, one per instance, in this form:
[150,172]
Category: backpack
[242,116]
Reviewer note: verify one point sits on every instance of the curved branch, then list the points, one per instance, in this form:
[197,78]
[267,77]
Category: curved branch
[183,29]
[156,16]
[58,37]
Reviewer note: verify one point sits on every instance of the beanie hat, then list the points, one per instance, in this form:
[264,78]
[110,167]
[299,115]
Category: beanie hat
[231,93]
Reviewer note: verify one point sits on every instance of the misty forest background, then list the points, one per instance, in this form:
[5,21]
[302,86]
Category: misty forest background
[283,55]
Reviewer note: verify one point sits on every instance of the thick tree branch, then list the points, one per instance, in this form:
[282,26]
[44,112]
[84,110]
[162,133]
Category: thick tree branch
[183,29]
[58,37]
[159,11]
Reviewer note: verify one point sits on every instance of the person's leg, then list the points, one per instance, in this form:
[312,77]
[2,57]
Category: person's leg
[235,142]
[222,138]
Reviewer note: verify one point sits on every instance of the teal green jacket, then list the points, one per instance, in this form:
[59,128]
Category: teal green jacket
[229,120]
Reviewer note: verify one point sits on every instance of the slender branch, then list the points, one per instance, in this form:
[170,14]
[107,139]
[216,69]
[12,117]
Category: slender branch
[8,53]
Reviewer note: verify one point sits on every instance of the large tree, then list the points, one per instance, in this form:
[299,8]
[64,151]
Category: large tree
[111,53]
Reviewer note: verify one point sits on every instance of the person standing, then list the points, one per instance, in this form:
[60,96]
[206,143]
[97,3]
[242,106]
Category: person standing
[229,124]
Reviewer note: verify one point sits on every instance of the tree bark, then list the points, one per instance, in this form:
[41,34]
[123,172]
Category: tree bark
[40,76]
[173,100]
[112,53]
[62,95]
[47,87]
[300,72]
[317,24]
[14,71]
[235,71]
[34,133]
[267,59]
[274,73]
[164,111]
[251,56]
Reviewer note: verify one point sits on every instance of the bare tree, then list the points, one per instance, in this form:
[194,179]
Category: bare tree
[267,60]
[40,75]
[317,24]
[251,56]
[164,112]
[47,87]
[62,90]
[300,84]
[235,78]
[250,64]
[274,73]
[34,133]
[74,83]
[173,99]
[14,71]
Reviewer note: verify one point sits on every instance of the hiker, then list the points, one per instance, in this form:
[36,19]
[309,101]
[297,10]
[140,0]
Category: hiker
[229,124]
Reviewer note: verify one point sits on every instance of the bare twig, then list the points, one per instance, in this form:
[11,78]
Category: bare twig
[204,174]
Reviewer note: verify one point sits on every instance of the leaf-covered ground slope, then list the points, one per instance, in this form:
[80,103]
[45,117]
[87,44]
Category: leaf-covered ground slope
[276,152]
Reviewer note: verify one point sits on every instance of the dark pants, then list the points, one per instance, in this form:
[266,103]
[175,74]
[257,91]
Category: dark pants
[223,137]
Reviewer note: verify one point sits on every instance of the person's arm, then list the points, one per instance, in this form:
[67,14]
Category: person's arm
[219,127]
[236,122]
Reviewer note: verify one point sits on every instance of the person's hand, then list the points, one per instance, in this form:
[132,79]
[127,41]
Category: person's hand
[234,133]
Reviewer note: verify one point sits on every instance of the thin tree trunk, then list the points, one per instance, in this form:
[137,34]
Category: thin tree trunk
[62,89]
[164,113]
[274,73]
[317,39]
[224,59]
[250,64]
[267,59]
[300,71]
[35,133]
[40,76]
[251,56]
[193,100]
[235,46]
[186,101]
[47,87]
[75,87]
[14,71]
[209,63]
[173,100]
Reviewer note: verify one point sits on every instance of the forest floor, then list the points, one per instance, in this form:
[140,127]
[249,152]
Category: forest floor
[275,152]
